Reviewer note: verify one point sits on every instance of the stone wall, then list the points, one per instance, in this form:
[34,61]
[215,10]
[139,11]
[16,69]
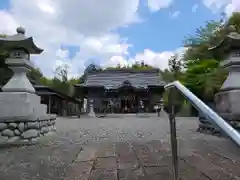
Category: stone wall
[25,132]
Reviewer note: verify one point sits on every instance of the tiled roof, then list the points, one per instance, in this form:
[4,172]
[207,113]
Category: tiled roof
[42,89]
[112,79]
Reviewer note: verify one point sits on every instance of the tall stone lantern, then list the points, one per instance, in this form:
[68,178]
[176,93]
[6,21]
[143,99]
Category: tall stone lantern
[19,47]
[227,100]
[23,118]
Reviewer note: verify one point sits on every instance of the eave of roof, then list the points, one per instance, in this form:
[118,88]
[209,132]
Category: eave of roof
[64,96]
[126,70]
[54,92]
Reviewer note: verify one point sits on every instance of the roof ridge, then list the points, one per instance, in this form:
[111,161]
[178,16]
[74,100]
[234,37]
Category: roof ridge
[135,71]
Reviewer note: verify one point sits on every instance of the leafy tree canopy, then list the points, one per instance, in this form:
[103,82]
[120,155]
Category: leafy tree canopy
[203,75]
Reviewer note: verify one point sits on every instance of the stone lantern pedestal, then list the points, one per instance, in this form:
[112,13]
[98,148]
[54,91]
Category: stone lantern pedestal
[227,100]
[23,119]
[91,109]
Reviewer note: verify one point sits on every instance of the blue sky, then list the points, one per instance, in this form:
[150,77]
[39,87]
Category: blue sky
[4,4]
[161,32]
[153,38]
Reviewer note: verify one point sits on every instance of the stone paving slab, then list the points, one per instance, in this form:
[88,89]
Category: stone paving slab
[79,171]
[131,174]
[104,174]
[128,164]
[190,173]
[210,170]
[80,151]
[156,173]
[87,154]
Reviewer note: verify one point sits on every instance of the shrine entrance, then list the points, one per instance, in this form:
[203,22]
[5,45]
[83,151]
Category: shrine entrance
[128,98]
[129,104]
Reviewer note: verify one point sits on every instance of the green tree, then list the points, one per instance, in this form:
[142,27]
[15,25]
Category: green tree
[62,72]
[61,82]
[203,75]
[204,78]
[167,76]
[5,72]
[174,73]
[135,66]
[35,74]
[235,21]
[175,66]
[204,38]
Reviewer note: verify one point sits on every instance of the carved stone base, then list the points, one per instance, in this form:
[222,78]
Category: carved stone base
[23,120]
[14,105]
[227,104]
[25,132]
[209,128]
[92,114]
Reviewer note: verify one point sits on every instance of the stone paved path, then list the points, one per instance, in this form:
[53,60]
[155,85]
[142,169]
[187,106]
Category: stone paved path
[121,148]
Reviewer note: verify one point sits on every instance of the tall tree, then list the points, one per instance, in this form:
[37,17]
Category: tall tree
[62,72]
[203,75]
[176,66]
[204,38]
[204,78]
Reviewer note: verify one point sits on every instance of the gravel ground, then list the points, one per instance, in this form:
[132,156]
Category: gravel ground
[76,149]
[125,128]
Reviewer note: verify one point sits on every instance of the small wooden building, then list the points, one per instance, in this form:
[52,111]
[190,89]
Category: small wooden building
[57,102]
[128,89]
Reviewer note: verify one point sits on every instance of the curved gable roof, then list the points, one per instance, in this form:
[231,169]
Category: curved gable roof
[112,79]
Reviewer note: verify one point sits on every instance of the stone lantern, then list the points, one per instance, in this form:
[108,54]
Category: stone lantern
[227,100]
[91,108]
[19,47]
[23,118]
[161,102]
[159,107]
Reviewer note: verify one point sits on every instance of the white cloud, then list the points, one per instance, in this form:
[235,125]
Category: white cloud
[228,6]
[195,7]
[233,6]
[8,23]
[155,59]
[93,17]
[175,14]
[85,24]
[63,54]
[156,5]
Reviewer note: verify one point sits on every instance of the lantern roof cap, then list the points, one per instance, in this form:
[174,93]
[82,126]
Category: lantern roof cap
[19,41]
[231,40]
